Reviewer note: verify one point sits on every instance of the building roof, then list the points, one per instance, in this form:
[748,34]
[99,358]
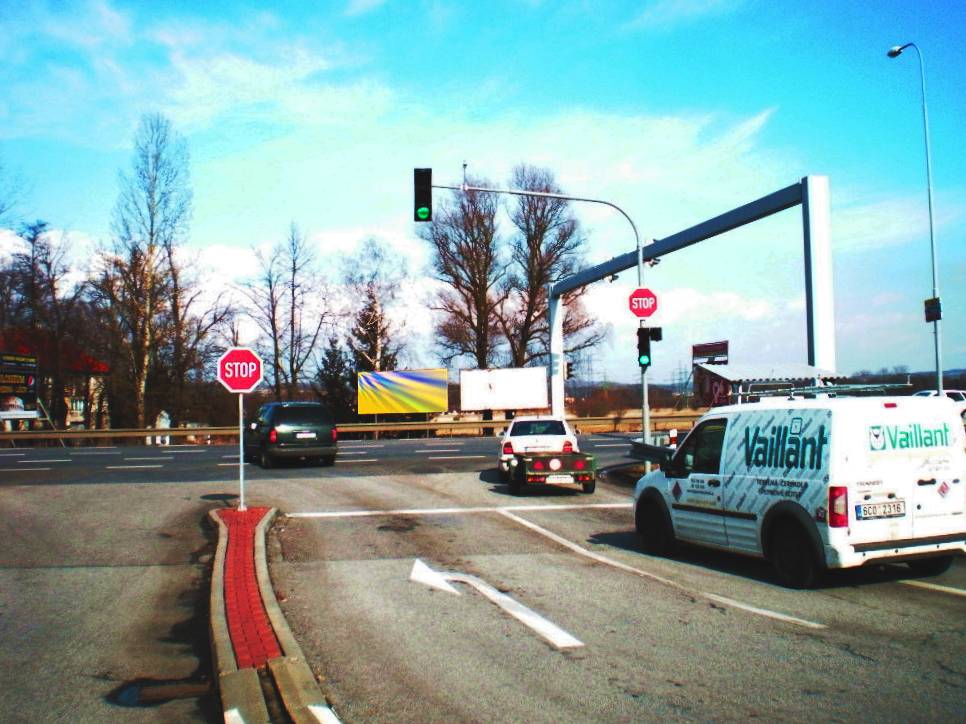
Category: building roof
[764,372]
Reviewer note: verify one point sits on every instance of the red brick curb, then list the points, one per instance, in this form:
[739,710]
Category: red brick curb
[252,636]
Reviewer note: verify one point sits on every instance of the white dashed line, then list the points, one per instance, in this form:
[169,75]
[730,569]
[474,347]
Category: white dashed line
[438,449]
[367,447]
[31,462]
[22,470]
[347,452]
[455,457]
[230,465]
[108,452]
[166,459]
[613,444]
[12,455]
[131,467]
[186,452]
[935,587]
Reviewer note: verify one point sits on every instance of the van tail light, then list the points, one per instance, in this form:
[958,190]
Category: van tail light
[507,448]
[273,435]
[335,434]
[838,506]
[568,446]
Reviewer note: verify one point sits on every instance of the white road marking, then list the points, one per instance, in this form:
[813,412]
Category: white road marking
[364,460]
[349,445]
[935,587]
[185,452]
[148,458]
[42,460]
[354,452]
[230,465]
[131,467]
[323,714]
[666,581]
[545,628]
[108,452]
[438,449]
[12,455]
[230,456]
[22,470]
[455,457]
[612,444]
[454,511]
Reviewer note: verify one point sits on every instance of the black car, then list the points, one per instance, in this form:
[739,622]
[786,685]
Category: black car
[291,430]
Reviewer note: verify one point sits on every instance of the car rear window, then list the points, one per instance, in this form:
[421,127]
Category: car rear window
[538,427]
[303,415]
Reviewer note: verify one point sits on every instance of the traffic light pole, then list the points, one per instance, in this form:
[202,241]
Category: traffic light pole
[645,407]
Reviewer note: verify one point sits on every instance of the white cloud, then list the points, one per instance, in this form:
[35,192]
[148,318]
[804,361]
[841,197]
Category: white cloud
[867,225]
[665,14]
[361,7]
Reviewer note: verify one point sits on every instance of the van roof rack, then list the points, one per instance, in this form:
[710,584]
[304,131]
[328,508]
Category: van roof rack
[813,391]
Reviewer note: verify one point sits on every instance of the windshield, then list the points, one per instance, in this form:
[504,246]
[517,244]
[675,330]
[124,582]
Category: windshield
[302,415]
[538,427]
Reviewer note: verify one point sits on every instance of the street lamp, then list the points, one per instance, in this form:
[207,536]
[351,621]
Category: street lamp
[895,52]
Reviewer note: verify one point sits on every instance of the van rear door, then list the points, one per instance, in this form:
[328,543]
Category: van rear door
[907,467]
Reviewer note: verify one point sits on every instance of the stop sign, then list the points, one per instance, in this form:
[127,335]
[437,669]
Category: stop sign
[642,302]
[240,370]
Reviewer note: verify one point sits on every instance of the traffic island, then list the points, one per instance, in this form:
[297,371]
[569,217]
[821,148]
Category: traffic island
[254,652]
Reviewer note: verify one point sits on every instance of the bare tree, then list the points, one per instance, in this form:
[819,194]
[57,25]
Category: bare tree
[545,248]
[151,217]
[373,280]
[465,258]
[10,186]
[289,306]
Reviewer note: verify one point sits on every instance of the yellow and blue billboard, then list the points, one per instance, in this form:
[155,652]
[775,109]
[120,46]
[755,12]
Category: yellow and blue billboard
[403,391]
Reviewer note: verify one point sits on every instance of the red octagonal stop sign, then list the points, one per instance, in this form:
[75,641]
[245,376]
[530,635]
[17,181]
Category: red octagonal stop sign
[642,302]
[240,370]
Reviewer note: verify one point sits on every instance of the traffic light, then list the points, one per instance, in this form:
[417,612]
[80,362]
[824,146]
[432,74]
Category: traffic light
[568,370]
[644,347]
[423,194]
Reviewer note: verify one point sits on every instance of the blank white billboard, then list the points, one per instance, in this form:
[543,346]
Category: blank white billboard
[517,388]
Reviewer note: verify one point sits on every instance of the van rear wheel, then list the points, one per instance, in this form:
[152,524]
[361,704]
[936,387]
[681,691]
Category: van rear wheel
[792,556]
[931,566]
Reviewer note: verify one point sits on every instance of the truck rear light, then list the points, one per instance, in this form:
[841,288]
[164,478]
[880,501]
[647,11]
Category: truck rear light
[568,447]
[579,464]
[838,506]
[538,464]
[273,435]
[507,448]
[335,435]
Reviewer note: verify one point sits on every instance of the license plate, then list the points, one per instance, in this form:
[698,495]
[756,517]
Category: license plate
[305,435]
[552,479]
[892,509]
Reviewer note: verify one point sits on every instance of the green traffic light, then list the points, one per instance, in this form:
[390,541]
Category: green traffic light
[643,360]
[422,212]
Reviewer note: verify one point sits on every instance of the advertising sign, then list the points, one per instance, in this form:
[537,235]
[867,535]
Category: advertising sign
[403,391]
[18,382]
[516,388]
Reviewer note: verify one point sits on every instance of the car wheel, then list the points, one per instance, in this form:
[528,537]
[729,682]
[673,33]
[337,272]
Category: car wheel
[931,566]
[265,460]
[590,487]
[653,528]
[515,481]
[328,461]
[792,556]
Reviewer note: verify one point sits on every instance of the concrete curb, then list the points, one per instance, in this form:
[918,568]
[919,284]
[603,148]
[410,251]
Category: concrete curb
[241,689]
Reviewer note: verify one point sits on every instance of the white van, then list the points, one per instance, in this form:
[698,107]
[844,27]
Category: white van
[818,483]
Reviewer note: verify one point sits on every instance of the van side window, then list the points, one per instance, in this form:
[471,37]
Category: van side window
[701,452]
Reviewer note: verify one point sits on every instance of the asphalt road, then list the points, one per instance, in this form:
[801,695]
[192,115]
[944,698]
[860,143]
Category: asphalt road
[103,595]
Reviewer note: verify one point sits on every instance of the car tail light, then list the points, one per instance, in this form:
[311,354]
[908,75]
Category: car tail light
[889,405]
[507,448]
[335,434]
[538,464]
[578,464]
[568,446]
[273,435]
[838,506]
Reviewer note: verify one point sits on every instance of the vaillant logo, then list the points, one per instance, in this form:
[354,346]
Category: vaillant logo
[785,447]
[907,437]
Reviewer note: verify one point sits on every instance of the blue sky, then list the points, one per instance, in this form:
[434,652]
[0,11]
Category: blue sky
[677,110]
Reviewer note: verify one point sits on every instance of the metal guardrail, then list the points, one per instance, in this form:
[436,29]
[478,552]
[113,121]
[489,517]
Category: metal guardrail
[683,420]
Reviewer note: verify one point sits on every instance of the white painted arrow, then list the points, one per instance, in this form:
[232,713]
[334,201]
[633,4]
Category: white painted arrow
[421,573]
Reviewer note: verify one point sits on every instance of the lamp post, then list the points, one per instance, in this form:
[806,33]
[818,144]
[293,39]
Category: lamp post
[895,52]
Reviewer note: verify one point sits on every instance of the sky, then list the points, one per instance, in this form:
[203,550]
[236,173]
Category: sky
[675,110]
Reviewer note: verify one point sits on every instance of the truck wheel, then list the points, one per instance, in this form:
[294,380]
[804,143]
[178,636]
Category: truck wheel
[931,566]
[653,528]
[792,556]
[590,487]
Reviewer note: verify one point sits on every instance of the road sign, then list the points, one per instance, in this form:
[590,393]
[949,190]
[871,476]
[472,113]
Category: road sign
[240,370]
[642,302]
[934,309]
